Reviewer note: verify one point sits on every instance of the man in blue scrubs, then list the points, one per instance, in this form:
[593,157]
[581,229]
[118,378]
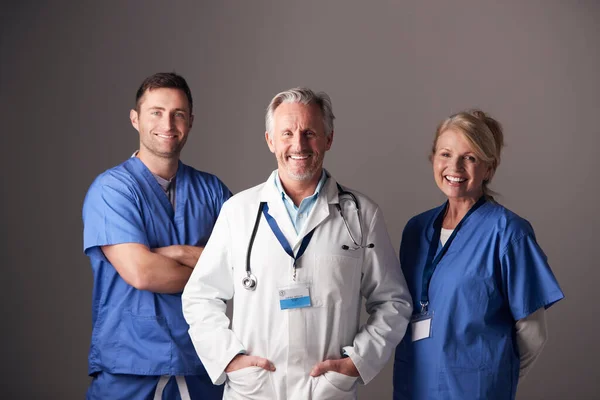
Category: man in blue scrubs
[145,224]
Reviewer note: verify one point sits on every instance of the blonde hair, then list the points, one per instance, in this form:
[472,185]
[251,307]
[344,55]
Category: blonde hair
[484,134]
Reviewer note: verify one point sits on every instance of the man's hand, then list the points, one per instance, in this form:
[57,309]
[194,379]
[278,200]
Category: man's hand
[243,361]
[344,366]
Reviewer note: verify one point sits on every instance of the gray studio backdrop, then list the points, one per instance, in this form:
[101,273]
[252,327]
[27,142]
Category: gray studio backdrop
[394,69]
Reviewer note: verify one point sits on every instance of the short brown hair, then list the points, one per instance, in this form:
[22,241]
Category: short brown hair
[164,80]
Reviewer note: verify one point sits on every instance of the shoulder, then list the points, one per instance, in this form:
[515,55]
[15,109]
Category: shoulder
[364,200]
[508,223]
[371,213]
[118,178]
[202,177]
[246,197]
[116,186]
[423,220]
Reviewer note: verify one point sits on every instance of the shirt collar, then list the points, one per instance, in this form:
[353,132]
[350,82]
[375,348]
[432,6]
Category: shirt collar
[284,195]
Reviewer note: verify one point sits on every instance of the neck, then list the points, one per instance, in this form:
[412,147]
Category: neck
[299,190]
[164,167]
[456,211]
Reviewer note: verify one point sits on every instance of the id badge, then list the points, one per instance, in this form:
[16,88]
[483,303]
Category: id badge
[297,296]
[420,325]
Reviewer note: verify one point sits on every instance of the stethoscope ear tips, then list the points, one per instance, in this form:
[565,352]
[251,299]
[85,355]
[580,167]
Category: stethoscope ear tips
[371,245]
[344,247]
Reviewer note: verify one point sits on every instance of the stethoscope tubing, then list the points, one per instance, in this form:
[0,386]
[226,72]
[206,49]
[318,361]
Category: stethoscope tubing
[249,281]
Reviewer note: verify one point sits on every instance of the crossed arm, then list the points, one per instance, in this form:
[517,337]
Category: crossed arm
[160,270]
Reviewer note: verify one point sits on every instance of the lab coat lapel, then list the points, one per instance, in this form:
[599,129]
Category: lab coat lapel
[320,212]
[277,210]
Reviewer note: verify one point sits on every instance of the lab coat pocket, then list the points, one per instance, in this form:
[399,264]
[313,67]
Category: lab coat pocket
[335,281]
[335,386]
[249,383]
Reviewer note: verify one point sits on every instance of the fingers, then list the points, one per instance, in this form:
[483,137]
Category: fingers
[263,363]
[243,361]
[344,366]
[324,366]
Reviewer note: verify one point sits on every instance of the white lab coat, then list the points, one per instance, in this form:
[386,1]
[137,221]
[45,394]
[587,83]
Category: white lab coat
[295,340]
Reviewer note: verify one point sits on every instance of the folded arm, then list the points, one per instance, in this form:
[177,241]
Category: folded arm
[183,254]
[149,270]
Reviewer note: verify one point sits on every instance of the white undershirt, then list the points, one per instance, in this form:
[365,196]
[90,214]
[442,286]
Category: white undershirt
[531,331]
[444,235]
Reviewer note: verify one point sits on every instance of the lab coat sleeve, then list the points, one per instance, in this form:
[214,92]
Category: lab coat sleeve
[388,304]
[204,303]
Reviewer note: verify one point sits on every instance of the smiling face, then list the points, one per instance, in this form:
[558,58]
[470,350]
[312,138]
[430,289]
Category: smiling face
[299,142]
[163,119]
[458,171]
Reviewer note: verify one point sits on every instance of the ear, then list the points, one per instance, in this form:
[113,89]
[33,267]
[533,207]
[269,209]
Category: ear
[269,140]
[133,117]
[191,121]
[329,141]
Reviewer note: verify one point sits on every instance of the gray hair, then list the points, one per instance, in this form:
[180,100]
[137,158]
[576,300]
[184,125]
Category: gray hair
[304,96]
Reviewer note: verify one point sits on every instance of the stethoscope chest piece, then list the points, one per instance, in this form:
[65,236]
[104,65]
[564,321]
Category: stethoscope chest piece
[249,282]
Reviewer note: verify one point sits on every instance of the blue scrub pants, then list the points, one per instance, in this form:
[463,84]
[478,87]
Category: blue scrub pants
[106,386]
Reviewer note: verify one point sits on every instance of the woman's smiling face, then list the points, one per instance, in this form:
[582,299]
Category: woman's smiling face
[458,171]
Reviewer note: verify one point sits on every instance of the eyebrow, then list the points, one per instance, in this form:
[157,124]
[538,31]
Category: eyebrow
[163,109]
[447,149]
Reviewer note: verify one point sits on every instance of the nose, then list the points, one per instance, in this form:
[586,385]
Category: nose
[458,163]
[167,122]
[298,142]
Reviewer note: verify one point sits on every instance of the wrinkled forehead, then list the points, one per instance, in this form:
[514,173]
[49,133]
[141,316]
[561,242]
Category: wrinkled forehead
[298,115]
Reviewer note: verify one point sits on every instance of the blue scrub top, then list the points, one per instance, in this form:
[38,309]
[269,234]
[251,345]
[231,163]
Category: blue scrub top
[136,331]
[493,274]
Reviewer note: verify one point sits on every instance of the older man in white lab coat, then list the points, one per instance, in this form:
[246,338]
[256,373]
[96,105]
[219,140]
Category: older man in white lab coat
[297,254]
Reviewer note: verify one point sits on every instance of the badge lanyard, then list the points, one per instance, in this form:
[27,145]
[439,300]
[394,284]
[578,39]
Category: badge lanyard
[282,240]
[432,259]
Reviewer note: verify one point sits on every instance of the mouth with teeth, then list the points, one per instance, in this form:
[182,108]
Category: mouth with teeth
[299,157]
[165,136]
[454,180]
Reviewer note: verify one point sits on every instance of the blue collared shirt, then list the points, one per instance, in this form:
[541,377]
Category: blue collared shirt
[299,215]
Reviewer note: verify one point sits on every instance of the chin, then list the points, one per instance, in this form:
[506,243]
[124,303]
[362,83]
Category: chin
[301,176]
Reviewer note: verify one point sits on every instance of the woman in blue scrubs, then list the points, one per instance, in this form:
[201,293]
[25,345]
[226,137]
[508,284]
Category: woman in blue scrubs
[479,280]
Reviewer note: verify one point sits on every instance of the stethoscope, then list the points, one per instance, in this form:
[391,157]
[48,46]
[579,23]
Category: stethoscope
[249,282]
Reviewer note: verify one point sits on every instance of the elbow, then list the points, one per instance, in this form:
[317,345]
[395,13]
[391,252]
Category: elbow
[140,285]
[138,279]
